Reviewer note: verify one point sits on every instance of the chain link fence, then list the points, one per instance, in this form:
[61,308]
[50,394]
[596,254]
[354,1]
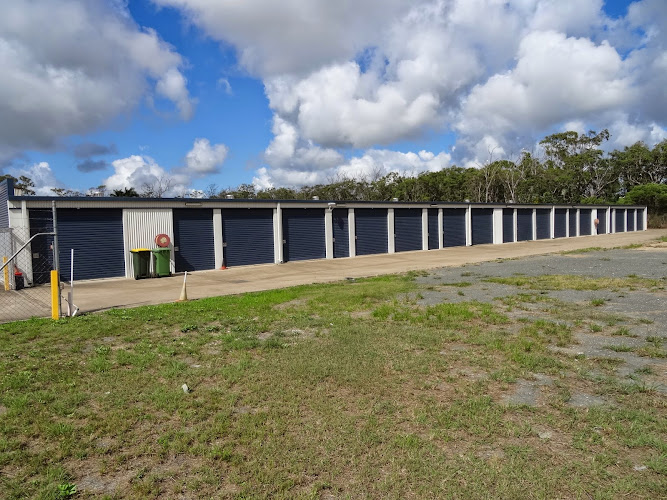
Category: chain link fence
[25,291]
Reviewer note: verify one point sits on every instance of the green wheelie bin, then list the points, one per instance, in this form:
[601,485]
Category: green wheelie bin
[162,262]
[141,261]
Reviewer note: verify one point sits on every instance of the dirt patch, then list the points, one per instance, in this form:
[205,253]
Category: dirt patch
[290,304]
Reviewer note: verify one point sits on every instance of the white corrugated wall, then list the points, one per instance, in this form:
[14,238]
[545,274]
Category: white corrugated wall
[140,227]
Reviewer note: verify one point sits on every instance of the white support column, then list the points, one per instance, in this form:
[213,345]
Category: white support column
[534,224]
[578,222]
[352,232]
[328,234]
[552,223]
[594,215]
[218,239]
[497,226]
[278,234]
[20,220]
[625,220]
[391,236]
[636,211]
[440,235]
[469,225]
[567,223]
[425,229]
[515,217]
[645,217]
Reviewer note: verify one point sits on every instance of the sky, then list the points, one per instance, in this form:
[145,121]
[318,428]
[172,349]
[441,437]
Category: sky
[215,93]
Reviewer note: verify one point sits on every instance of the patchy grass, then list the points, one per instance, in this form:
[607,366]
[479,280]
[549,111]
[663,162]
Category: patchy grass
[573,282]
[343,390]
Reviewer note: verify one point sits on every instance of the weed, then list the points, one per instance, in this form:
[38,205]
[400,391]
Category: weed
[66,490]
[597,302]
[620,348]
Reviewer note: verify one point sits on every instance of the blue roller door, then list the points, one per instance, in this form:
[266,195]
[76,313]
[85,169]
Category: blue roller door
[631,219]
[371,229]
[408,229]
[433,229]
[96,235]
[482,226]
[543,219]
[193,236]
[4,209]
[41,221]
[620,220]
[454,227]
[602,224]
[560,223]
[508,225]
[640,220]
[303,232]
[573,222]
[524,224]
[248,236]
[341,233]
[584,222]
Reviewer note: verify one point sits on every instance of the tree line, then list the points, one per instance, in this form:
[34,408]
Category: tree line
[573,169]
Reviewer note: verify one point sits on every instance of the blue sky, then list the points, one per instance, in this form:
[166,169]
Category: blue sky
[205,92]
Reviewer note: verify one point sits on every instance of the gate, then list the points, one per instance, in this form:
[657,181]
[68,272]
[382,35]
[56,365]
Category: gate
[25,289]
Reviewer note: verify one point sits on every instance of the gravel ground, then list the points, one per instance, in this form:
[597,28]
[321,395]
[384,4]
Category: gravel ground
[632,319]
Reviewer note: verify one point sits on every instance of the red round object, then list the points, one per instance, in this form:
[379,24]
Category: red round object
[162,240]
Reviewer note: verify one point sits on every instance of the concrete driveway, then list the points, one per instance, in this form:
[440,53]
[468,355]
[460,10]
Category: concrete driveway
[104,294]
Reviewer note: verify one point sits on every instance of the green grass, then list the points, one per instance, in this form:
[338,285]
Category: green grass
[346,390]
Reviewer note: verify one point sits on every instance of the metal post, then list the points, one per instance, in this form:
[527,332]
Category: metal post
[56,255]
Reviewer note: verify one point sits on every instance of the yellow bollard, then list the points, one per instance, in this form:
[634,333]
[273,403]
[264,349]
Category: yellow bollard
[6,271]
[55,295]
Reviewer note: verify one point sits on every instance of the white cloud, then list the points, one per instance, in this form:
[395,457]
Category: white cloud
[204,159]
[71,66]
[42,176]
[373,163]
[139,171]
[292,36]
[342,76]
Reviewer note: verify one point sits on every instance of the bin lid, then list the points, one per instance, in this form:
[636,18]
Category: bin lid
[140,250]
[160,250]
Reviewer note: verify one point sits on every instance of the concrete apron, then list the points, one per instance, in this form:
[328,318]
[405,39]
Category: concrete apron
[105,294]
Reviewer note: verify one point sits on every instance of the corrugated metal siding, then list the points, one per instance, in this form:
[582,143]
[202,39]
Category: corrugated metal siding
[248,236]
[454,227]
[631,219]
[140,227]
[640,220]
[341,232]
[41,221]
[585,222]
[4,208]
[193,235]
[371,230]
[543,219]
[408,229]
[303,232]
[433,229]
[602,224]
[524,224]
[508,225]
[96,235]
[573,222]
[620,220]
[482,226]
[560,223]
